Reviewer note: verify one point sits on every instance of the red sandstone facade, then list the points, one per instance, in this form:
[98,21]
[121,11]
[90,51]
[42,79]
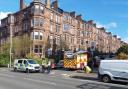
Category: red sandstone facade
[44,22]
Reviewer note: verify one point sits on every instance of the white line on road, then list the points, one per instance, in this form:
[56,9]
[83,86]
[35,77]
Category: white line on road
[39,81]
[7,75]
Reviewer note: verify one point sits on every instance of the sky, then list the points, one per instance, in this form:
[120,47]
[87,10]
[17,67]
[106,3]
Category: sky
[111,14]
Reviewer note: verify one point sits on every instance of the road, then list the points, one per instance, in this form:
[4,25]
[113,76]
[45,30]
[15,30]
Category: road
[56,80]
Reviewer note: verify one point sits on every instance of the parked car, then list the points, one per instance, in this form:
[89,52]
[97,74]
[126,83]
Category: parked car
[113,70]
[60,64]
[26,65]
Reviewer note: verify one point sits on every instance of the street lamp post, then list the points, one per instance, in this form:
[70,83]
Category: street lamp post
[10,46]
[11,21]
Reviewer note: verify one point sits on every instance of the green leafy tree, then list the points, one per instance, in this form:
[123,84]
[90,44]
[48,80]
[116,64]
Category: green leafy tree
[123,49]
[4,59]
[122,52]
[21,46]
[4,54]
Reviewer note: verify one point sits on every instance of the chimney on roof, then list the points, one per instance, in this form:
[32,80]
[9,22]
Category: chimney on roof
[115,36]
[79,17]
[90,22]
[48,3]
[55,5]
[22,4]
[73,14]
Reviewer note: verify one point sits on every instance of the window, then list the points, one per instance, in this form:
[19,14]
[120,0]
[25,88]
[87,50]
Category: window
[25,62]
[66,27]
[65,37]
[41,9]
[32,9]
[58,40]
[41,36]
[32,22]
[51,39]
[37,9]
[25,26]
[82,42]
[57,19]
[78,33]
[51,16]
[51,27]
[16,28]
[20,61]
[41,21]
[36,35]
[65,17]
[38,49]
[57,28]
[36,22]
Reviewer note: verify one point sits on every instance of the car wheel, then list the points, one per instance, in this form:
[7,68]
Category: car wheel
[106,79]
[15,69]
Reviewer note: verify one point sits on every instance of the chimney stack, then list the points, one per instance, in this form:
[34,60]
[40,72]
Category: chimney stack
[48,3]
[79,17]
[90,22]
[55,5]
[73,14]
[22,4]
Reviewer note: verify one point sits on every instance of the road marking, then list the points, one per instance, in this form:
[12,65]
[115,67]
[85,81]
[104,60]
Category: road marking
[65,75]
[39,81]
[7,75]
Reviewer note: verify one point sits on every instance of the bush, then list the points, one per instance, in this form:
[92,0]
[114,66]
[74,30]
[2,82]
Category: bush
[122,56]
[4,59]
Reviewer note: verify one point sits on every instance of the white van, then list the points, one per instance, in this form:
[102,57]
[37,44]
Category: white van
[27,65]
[113,70]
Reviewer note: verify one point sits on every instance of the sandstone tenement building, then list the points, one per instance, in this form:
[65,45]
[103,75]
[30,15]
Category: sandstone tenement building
[44,22]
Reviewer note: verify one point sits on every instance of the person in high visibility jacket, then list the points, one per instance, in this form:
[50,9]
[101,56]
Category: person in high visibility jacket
[44,64]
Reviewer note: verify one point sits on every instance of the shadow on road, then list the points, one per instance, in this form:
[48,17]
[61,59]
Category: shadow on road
[98,86]
[85,78]
[97,80]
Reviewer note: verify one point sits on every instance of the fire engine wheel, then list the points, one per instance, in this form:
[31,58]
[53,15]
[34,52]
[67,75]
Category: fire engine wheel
[106,79]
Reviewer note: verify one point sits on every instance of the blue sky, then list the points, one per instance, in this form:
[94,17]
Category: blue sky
[112,14]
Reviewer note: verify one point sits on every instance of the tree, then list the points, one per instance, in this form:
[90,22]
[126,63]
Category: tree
[123,49]
[4,54]
[122,52]
[63,45]
[21,46]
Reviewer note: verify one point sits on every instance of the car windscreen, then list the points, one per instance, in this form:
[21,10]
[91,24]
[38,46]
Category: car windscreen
[32,61]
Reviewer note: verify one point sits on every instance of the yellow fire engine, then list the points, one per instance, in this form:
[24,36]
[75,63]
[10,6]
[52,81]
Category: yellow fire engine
[76,60]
